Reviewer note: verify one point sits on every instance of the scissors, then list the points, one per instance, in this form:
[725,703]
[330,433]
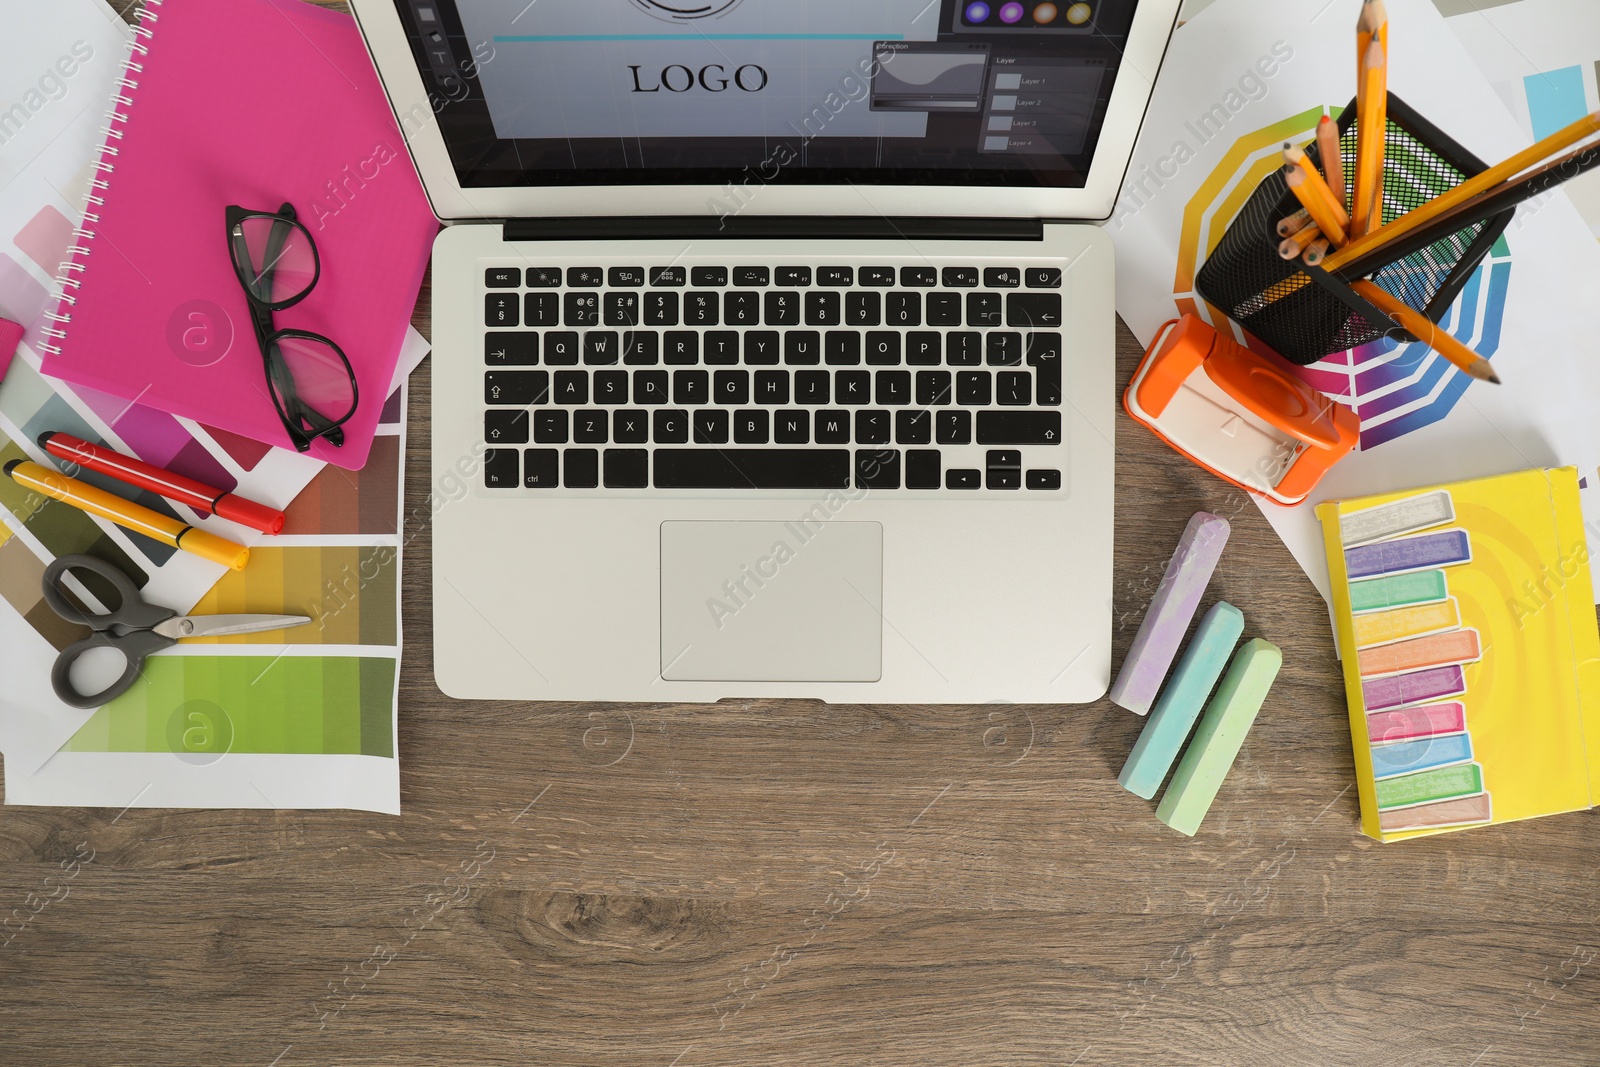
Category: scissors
[135,628]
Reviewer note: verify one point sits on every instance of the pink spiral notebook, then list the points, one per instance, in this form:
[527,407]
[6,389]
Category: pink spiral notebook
[248,102]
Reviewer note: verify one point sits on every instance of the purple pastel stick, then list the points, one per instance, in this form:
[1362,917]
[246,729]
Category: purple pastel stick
[1398,690]
[1408,554]
[1166,620]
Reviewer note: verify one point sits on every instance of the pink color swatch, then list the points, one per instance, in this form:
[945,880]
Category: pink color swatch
[45,239]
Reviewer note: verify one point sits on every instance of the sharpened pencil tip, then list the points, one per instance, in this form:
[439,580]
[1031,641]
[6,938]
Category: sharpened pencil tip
[1482,371]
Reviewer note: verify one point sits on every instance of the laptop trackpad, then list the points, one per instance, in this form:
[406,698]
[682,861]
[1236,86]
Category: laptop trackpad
[772,601]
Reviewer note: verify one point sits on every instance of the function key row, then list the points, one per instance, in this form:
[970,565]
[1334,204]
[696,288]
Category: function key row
[756,277]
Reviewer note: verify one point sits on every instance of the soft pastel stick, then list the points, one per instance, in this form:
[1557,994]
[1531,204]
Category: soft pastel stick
[1396,518]
[1419,720]
[1452,646]
[1457,812]
[1423,754]
[1418,687]
[10,338]
[1170,611]
[1227,720]
[1420,553]
[1425,787]
[1382,627]
[1182,699]
[1397,591]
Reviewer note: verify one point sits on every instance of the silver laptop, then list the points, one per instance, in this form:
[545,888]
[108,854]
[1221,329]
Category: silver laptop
[768,358]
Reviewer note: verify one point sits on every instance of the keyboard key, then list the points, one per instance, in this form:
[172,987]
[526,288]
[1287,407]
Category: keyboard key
[1044,278]
[600,348]
[802,347]
[903,309]
[752,468]
[585,277]
[721,347]
[519,388]
[627,468]
[544,278]
[953,427]
[983,309]
[883,348]
[641,348]
[933,388]
[1003,478]
[581,468]
[798,277]
[668,277]
[837,277]
[748,276]
[853,386]
[561,349]
[973,388]
[511,349]
[710,427]
[671,426]
[505,426]
[833,427]
[1002,277]
[630,426]
[741,309]
[701,309]
[610,387]
[872,427]
[860,309]
[541,468]
[944,309]
[922,348]
[1005,349]
[822,308]
[923,277]
[1044,356]
[842,349]
[772,387]
[894,387]
[590,427]
[502,468]
[1013,388]
[878,469]
[581,309]
[731,387]
[690,387]
[959,277]
[1044,479]
[649,387]
[913,427]
[1002,457]
[683,346]
[750,427]
[714,277]
[791,428]
[761,347]
[625,277]
[503,277]
[963,479]
[782,308]
[541,309]
[922,468]
[572,387]
[1019,427]
[500,309]
[877,277]
[550,426]
[1033,309]
[661,309]
[622,309]
[964,349]
[811,386]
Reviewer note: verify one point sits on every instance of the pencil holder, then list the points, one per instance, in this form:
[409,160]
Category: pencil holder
[1268,295]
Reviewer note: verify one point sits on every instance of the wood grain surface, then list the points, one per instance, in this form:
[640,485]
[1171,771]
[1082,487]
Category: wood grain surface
[795,883]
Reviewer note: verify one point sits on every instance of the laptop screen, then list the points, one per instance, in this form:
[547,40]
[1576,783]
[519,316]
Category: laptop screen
[901,92]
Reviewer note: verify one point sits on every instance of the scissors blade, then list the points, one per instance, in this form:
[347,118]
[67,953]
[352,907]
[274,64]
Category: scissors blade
[222,625]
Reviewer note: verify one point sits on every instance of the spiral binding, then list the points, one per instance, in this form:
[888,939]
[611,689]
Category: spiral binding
[69,276]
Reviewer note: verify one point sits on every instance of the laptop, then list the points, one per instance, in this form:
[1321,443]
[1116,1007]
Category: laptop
[773,342]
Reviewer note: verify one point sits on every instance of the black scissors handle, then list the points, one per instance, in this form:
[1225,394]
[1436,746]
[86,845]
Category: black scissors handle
[133,646]
[125,628]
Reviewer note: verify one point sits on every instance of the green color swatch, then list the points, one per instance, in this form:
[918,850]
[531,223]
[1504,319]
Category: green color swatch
[1427,786]
[1398,591]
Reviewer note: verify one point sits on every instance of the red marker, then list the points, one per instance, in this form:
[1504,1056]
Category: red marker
[199,496]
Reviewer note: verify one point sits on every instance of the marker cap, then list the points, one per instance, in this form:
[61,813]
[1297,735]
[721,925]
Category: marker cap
[249,513]
[216,549]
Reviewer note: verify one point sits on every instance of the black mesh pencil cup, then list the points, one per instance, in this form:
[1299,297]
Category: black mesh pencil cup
[1268,295]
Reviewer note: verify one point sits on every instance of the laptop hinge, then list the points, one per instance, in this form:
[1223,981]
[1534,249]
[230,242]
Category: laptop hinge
[769,227]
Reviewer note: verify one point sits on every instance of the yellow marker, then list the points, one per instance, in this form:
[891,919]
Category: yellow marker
[127,514]
[1372,122]
[1380,628]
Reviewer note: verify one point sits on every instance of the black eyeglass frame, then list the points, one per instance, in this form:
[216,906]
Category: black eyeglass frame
[280,380]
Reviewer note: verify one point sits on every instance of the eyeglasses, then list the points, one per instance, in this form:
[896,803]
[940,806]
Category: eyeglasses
[308,376]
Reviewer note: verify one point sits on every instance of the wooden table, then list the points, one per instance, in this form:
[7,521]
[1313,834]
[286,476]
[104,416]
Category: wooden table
[795,883]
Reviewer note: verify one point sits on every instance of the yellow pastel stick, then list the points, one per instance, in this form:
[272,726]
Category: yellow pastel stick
[1382,627]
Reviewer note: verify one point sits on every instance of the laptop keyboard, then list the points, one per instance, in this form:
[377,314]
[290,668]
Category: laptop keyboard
[909,377]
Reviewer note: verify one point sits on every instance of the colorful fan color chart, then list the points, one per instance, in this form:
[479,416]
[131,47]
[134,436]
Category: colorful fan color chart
[1471,654]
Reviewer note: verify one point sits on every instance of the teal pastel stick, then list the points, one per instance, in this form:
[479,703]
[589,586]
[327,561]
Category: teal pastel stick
[1227,720]
[1182,699]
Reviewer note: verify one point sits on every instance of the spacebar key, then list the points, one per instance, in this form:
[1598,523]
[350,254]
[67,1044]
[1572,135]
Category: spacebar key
[1019,427]
[752,468]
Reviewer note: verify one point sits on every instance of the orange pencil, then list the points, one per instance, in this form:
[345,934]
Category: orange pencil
[1307,186]
[1294,244]
[1316,251]
[1427,332]
[1332,156]
[1372,122]
[1372,24]
[1293,223]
